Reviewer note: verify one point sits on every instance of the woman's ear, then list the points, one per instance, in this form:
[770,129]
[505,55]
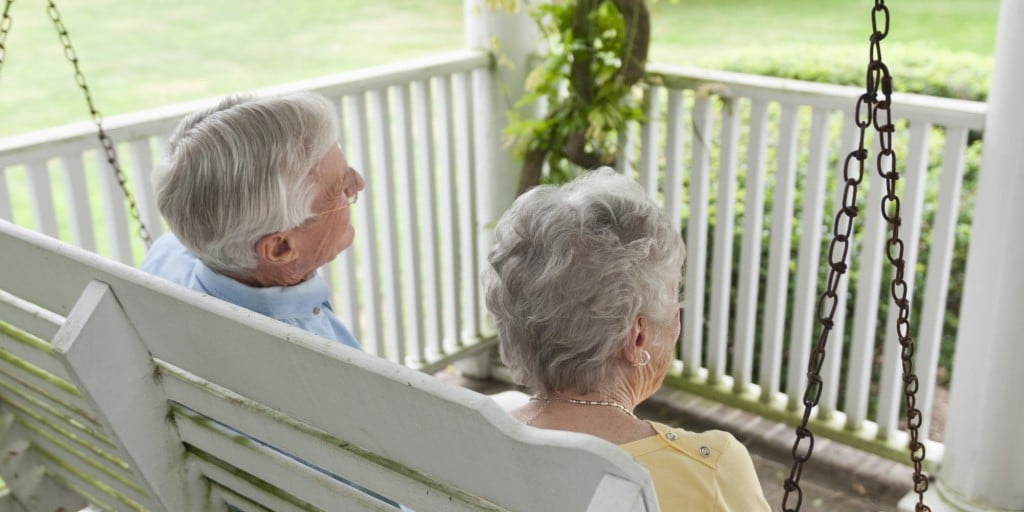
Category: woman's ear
[637,341]
[276,249]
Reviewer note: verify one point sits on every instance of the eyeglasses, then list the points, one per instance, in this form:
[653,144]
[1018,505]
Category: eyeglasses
[349,201]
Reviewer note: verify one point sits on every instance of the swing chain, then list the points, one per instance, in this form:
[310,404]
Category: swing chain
[5,28]
[105,141]
[869,111]
[886,160]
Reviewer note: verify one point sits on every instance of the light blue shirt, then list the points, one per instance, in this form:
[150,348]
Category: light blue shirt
[305,305]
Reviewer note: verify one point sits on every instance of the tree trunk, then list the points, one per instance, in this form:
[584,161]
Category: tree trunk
[581,83]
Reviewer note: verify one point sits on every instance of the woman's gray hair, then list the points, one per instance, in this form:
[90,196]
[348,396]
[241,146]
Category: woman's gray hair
[570,270]
[241,170]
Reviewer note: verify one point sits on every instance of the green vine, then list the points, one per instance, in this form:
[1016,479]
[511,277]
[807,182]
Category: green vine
[589,81]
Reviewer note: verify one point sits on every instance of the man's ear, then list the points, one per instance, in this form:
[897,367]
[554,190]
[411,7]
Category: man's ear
[276,249]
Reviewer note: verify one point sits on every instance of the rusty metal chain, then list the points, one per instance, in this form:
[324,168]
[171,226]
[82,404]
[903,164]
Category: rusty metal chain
[878,75]
[869,112]
[105,141]
[5,28]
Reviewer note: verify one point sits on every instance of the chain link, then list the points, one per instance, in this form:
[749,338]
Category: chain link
[105,141]
[5,28]
[886,166]
[870,111]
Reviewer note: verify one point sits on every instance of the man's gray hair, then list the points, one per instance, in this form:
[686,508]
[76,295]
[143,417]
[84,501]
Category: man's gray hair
[241,170]
[570,270]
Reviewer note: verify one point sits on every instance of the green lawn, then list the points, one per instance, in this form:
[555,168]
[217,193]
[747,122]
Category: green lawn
[698,31]
[145,53]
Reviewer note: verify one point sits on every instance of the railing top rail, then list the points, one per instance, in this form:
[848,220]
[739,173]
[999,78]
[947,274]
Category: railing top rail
[914,107]
[142,123]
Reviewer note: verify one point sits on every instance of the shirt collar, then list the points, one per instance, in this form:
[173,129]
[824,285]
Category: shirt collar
[274,301]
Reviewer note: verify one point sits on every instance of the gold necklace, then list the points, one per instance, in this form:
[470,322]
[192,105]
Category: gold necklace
[549,399]
[535,416]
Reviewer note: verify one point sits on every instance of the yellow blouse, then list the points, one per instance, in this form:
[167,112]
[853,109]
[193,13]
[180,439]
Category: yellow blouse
[709,472]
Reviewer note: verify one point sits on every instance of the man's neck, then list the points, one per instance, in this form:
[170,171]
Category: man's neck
[266,278]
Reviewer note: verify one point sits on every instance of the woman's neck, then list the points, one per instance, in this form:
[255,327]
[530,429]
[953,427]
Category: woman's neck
[603,414]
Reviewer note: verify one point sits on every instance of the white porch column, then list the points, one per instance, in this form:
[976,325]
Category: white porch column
[983,463]
[512,36]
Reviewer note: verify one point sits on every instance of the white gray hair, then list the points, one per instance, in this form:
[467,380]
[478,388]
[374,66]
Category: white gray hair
[571,268]
[240,170]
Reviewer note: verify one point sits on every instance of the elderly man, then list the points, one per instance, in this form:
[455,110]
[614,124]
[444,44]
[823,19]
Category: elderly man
[257,193]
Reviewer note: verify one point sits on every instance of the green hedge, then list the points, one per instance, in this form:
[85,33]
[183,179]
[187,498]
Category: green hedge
[915,68]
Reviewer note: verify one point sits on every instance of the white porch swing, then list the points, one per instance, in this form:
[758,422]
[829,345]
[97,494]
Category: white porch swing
[962,483]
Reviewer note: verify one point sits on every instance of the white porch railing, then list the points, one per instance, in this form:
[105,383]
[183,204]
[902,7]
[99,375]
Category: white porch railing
[754,274]
[408,286]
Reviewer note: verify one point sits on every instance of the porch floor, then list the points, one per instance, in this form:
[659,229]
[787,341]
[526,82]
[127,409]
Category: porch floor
[837,479]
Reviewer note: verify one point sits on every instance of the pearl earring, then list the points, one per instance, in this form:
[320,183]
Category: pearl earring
[644,359]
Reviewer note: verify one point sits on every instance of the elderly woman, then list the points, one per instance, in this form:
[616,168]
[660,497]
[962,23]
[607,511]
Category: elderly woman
[257,192]
[583,284]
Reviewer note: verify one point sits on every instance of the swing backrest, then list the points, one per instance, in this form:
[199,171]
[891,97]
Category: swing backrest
[58,453]
[214,404]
